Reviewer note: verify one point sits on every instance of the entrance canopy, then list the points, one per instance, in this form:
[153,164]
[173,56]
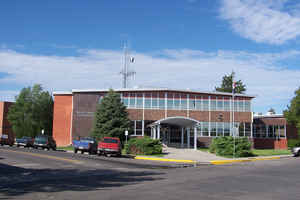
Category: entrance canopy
[178,121]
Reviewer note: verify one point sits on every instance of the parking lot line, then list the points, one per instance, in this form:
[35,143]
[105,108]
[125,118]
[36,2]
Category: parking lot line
[45,156]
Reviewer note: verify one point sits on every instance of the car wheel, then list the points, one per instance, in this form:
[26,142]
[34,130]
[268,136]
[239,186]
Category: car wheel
[75,150]
[82,152]
[18,145]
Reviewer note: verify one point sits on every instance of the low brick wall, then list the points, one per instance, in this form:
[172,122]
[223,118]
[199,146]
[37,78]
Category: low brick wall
[269,143]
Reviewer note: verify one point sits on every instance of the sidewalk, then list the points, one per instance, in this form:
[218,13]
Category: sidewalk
[200,157]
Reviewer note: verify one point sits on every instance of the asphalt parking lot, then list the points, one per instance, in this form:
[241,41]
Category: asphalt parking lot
[39,174]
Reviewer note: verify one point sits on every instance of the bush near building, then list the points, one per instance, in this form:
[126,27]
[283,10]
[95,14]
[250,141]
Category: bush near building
[293,143]
[224,146]
[143,145]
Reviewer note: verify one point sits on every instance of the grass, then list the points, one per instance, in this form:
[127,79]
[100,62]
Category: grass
[270,152]
[67,148]
[204,149]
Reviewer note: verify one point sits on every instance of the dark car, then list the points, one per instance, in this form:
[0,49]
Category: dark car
[25,141]
[44,142]
[7,140]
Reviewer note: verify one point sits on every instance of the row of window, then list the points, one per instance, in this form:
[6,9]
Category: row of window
[184,104]
[269,131]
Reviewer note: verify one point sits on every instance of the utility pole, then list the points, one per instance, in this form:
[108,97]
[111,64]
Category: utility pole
[126,73]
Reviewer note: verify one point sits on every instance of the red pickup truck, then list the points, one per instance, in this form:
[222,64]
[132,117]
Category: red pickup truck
[109,146]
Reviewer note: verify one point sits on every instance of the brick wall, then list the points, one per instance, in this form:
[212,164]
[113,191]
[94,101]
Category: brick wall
[269,143]
[5,126]
[62,116]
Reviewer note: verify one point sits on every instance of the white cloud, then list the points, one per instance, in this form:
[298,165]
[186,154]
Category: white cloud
[168,68]
[264,21]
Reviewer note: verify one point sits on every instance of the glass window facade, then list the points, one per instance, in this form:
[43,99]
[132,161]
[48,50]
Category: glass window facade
[178,101]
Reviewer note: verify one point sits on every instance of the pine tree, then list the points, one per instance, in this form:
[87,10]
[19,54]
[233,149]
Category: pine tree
[32,112]
[111,118]
[226,85]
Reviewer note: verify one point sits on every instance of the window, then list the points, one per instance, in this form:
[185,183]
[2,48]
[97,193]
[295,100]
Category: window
[236,106]
[271,131]
[241,106]
[247,106]
[226,129]
[263,131]
[205,129]
[131,102]
[125,101]
[248,129]
[220,128]
[139,102]
[205,105]
[213,105]
[183,104]
[213,129]
[170,103]
[176,104]
[282,131]
[154,101]
[220,105]
[241,130]
[161,103]
[147,102]
[192,104]
[226,105]
[199,104]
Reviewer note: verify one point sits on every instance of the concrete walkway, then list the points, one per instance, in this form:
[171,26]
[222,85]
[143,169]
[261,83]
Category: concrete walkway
[190,154]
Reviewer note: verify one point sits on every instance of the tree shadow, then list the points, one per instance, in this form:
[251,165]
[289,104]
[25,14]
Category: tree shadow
[16,181]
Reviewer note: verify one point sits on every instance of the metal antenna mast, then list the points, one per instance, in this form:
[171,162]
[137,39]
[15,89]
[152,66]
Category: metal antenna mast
[126,73]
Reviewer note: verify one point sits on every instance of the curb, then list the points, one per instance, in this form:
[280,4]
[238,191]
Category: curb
[223,162]
[164,159]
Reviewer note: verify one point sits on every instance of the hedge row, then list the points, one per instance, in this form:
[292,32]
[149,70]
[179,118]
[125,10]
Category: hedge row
[143,145]
[224,146]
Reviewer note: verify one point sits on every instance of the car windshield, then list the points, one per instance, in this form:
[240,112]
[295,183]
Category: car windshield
[109,140]
[25,137]
[87,139]
[41,139]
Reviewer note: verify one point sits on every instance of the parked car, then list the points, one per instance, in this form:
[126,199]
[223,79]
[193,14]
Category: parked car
[6,139]
[44,142]
[86,144]
[296,151]
[25,141]
[110,146]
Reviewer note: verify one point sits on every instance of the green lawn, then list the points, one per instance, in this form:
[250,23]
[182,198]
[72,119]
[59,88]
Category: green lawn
[205,149]
[270,152]
[67,148]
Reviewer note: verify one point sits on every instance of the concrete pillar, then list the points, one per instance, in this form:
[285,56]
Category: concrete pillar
[188,137]
[151,132]
[195,138]
[158,131]
[182,137]
[154,132]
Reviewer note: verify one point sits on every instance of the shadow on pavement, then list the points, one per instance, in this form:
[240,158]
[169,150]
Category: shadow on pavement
[15,181]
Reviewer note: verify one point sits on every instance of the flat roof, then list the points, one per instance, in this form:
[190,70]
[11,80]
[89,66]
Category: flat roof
[269,116]
[151,89]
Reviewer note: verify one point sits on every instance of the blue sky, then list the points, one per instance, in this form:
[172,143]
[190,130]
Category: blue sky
[181,44]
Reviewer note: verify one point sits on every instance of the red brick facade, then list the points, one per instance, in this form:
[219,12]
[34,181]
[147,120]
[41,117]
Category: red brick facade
[5,126]
[62,116]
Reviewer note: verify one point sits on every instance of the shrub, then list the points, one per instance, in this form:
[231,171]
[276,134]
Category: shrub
[143,145]
[224,146]
[293,143]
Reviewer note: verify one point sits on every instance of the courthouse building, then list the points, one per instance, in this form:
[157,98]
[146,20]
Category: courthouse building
[183,118]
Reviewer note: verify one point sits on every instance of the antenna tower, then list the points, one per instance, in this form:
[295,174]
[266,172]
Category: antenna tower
[126,73]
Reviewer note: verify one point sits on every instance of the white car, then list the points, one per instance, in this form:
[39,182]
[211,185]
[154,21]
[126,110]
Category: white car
[296,151]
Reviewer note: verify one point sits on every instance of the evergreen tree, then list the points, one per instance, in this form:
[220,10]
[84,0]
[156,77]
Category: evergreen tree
[292,114]
[111,118]
[32,112]
[227,82]
[272,111]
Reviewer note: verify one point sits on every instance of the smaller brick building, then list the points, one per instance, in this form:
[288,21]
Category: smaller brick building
[5,127]
[271,131]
